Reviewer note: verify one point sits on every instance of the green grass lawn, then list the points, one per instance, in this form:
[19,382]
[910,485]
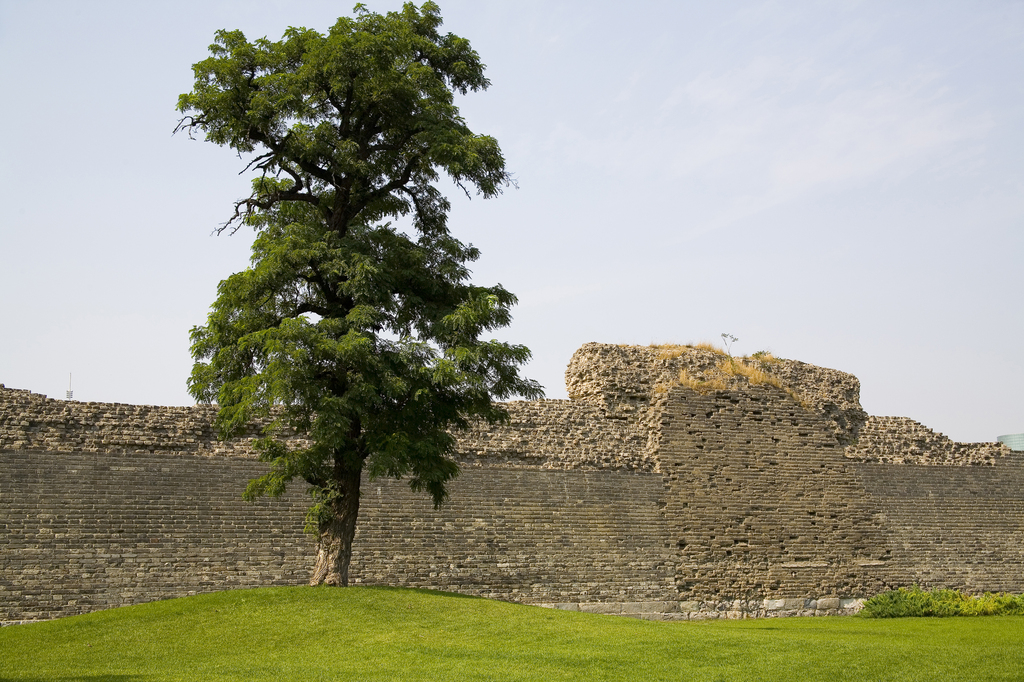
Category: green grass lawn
[366,634]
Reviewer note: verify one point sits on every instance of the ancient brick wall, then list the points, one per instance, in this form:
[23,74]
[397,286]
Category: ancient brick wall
[762,504]
[86,531]
[641,495]
[952,527]
[81,531]
[103,505]
[536,536]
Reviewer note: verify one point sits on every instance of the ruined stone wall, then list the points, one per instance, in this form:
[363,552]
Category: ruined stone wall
[559,434]
[899,440]
[81,531]
[103,505]
[86,531]
[29,421]
[956,527]
[640,495]
[522,534]
[626,380]
[762,503]
[550,434]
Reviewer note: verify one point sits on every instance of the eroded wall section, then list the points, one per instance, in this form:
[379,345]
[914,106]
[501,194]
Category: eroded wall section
[103,505]
[651,493]
[762,504]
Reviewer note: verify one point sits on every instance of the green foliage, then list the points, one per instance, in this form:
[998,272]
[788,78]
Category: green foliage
[356,335]
[303,633]
[360,118]
[911,602]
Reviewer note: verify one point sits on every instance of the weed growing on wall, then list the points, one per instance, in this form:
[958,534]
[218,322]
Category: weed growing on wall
[707,345]
[728,340]
[668,351]
[764,357]
[722,376]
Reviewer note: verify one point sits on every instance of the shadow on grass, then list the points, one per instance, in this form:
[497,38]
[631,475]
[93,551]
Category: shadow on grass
[417,590]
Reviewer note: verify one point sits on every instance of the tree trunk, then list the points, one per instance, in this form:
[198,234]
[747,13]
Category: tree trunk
[334,545]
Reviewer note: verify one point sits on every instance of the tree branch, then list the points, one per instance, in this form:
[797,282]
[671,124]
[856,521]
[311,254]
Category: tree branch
[193,121]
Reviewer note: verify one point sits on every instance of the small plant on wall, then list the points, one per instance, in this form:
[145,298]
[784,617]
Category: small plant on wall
[728,340]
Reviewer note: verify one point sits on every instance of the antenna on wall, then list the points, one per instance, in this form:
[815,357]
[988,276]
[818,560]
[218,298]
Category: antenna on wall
[70,392]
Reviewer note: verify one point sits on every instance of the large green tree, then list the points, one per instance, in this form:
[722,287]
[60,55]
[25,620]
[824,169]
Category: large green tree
[360,338]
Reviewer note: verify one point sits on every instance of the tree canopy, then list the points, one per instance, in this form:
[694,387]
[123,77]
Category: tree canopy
[360,338]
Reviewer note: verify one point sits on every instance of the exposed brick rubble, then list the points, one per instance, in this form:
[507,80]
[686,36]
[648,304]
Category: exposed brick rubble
[557,434]
[899,440]
[29,421]
[628,380]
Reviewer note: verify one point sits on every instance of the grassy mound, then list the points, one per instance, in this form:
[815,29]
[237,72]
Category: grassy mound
[371,634]
[904,602]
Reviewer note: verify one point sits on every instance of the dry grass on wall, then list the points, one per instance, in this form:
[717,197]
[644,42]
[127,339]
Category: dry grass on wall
[738,367]
[723,376]
[755,369]
[712,383]
[668,351]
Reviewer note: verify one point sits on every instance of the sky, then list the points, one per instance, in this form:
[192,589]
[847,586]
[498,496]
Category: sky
[836,182]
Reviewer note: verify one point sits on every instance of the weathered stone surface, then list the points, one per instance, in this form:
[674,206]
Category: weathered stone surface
[898,440]
[627,380]
[29,421]
[610,608]
[557,434]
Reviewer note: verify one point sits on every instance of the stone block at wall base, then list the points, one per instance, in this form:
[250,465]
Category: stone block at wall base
[707,610]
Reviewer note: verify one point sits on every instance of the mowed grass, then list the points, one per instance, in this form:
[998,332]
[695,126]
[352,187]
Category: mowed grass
[369,634]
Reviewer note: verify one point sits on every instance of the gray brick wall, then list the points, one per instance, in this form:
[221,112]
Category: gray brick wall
[763,504]
[86,531]
[638,497]
[952,527]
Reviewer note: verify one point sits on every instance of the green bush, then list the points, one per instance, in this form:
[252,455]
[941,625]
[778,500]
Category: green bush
[915,602]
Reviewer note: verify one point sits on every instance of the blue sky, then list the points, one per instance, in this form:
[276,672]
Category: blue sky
[840,183]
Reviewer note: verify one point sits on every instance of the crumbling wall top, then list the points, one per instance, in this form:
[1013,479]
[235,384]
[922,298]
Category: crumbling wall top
[900,440]
[624,379]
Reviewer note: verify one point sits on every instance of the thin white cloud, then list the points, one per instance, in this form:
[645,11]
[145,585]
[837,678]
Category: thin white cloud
[773,131]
